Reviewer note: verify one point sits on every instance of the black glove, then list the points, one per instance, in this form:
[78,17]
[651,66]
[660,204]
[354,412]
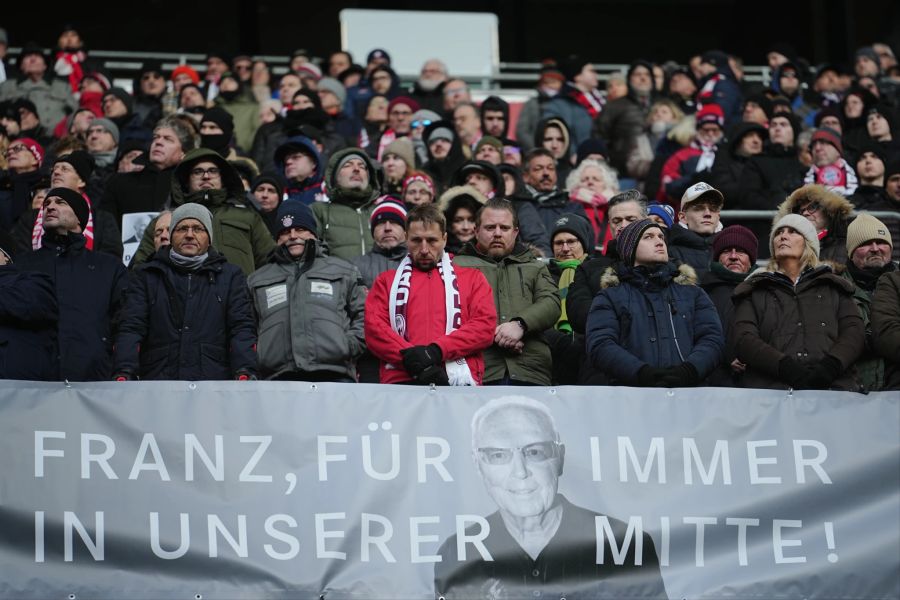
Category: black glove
[683,375]
[794,373]
[419,358]
[824,372]
[649,376]
[433,374]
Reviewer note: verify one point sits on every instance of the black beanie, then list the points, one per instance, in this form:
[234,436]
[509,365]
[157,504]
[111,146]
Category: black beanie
[572,67]
[220,117]
[123,96]
[272,180]
[577,226]
[76,201]
[81,161]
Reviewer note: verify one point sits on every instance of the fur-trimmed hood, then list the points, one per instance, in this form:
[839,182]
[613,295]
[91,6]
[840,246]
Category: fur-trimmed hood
[460,191]
[683,275]
[836,206]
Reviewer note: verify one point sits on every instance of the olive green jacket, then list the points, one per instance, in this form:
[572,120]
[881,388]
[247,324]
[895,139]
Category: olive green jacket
[523,289]
[239,233]
[344,221]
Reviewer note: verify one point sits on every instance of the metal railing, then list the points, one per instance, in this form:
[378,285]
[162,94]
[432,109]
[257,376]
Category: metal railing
[123,64]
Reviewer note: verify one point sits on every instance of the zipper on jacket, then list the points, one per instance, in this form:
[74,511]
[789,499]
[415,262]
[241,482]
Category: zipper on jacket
[362,231]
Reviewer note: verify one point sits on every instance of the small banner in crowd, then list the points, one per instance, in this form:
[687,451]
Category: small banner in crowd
[294,490]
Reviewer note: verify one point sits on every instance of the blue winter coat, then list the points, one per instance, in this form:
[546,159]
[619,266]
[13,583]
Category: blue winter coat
[90,288]
[187,325]
[633,318]
[28,316]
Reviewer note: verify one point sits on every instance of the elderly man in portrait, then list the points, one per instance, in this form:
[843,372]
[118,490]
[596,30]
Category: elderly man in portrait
[539,543]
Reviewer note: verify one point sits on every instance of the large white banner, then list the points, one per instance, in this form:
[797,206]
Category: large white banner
[295,490]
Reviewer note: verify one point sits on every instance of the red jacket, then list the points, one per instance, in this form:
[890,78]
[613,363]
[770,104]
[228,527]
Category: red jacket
[426,318]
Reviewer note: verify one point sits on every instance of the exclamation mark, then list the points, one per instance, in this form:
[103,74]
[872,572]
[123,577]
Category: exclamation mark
[829,539]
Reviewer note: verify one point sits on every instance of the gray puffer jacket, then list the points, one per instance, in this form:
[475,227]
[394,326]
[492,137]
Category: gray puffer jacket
[378,260]
[310,313]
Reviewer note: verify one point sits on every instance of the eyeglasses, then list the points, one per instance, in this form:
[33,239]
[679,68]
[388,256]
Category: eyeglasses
[14,149]
[809,209]
[532,453]
[422,122]
[570,243]
[212,172]
[194,229]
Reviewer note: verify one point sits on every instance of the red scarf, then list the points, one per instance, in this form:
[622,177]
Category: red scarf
[591,101]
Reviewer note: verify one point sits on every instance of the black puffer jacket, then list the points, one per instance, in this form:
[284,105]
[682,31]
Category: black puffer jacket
[90,288]
[28,317]
[690,248]
[187,325]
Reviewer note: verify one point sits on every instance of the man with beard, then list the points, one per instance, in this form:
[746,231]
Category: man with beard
[416,341]
[428,91]
[869,247]
[520,354]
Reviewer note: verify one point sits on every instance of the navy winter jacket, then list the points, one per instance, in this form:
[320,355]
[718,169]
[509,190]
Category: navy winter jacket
[90,288]
[658,318]
[28,316]
[187,325]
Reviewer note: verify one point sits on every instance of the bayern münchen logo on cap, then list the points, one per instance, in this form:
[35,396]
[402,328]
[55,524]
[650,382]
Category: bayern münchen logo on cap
[287,220]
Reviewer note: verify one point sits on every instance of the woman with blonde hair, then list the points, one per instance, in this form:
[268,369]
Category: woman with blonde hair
[796,324]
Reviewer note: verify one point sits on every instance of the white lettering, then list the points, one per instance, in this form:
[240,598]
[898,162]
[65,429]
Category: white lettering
[40,453]
[184,542]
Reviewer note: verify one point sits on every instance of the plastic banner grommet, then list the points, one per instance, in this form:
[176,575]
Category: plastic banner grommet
[192,386]
[432,387]
[198,596]
[71,596]
[68,386]
[670,393]
[313,387]
[552,391]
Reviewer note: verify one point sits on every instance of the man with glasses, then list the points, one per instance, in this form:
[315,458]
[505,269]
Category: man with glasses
[539,543]
[205,178]
[188,314]
[690,241]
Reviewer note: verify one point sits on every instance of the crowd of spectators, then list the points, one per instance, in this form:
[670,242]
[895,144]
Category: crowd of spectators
[331,224]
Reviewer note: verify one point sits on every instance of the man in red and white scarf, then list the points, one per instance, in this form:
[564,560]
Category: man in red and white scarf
[406,329]
[829,168]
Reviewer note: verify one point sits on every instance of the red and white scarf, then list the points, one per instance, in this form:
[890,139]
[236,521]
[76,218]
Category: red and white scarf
[37,232]
[457,370]
[838,177]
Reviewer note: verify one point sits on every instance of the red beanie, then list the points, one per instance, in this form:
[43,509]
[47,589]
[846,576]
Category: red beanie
[36,149]
[406,100]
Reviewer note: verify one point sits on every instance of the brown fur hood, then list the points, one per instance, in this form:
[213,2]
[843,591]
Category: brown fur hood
[836,206]
[686,276]
[457,191]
